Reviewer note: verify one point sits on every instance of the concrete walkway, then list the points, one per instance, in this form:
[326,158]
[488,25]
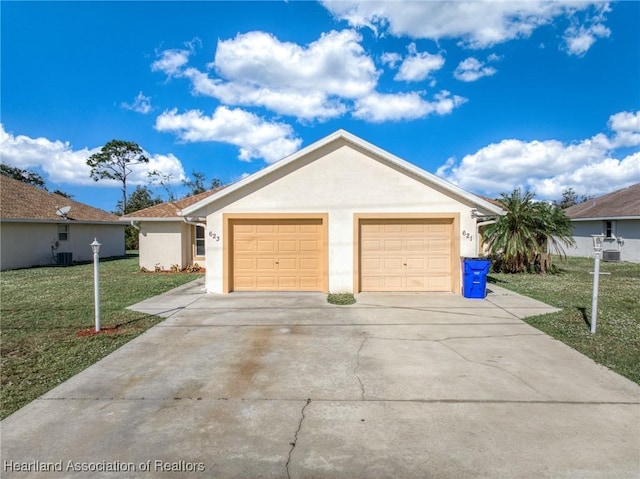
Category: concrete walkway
[252,385]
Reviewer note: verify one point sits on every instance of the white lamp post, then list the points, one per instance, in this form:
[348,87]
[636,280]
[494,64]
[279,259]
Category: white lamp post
[597,249]
[95,247]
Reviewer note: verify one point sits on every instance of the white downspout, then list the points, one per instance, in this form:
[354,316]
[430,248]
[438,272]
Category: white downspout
[189,220]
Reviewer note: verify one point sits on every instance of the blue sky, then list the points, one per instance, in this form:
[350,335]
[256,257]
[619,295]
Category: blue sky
[488,95]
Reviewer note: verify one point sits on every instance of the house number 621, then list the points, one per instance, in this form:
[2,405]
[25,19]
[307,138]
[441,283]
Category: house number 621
[214,236]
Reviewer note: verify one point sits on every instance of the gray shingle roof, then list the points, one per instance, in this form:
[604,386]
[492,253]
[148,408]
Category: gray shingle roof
[620,203]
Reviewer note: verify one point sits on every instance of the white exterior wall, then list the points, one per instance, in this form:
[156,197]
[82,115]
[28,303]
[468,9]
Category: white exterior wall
[627,230]
[164,243]
[29,244]
[342,183]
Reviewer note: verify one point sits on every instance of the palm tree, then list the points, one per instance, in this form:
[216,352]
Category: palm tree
[521,239]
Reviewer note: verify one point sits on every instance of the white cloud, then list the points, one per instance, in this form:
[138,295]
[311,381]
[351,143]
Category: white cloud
[472,69]
[550,167]
[417,66]
[62,164]
[255,137]
[171,61]
[391,59]
[140,104]
[324,79]
[257,69]
[579,38]
[626,126]
[379,107]
[479,24]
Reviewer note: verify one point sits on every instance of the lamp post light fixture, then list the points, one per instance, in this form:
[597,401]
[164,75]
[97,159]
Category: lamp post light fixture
[597,250]
[95,247]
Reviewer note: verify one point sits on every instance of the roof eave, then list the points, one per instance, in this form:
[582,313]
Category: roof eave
[129,219]
[606,218]
[52,221]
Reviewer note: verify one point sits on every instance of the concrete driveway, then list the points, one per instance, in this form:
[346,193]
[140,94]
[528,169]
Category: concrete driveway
[287,386]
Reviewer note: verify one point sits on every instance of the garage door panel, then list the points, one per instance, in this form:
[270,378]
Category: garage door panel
[310,283]
[406,255]
[247,282]
[265,282]
[415,283]
[265,246]
[262,264]
[371,245]
[309,264]
[418,264]
[310,229]
[371,283]
[416,246]
[277,255]
[287,246]
[442,229]
[440,245]
[416,228]
[243,245]
[288,283]
[391,264]
[392,228]
[439,283]
[371,264]
[393,283]
[393,245]
[439,265]
[309,245]
[264,229]
[288,229]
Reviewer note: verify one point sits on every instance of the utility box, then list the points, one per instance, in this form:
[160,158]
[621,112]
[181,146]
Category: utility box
[611,255]
[474,277]
[64,259]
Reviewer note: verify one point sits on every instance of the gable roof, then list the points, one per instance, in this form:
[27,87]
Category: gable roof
[621,204]
[167,211]
[21,201]
[362,144]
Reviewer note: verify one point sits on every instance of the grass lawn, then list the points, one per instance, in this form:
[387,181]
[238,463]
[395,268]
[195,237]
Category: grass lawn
[43,309]
[616,343]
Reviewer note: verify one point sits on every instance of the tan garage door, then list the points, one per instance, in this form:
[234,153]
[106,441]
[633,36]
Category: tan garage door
[405,255]
[278,255]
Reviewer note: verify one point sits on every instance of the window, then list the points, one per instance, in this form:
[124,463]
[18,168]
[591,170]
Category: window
[199,242]
[63,232]
[609,228]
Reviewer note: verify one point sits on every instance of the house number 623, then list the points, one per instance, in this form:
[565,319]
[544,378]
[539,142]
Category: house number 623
[214,236]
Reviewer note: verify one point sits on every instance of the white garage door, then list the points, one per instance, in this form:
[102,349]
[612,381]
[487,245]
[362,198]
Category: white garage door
[406,255]
[278,255]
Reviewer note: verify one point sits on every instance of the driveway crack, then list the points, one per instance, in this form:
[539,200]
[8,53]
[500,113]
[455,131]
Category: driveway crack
[357,367]
[495,366]
[295,437]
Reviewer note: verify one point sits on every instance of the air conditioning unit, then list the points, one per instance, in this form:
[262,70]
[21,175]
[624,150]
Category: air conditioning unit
[611,255]
[64,259]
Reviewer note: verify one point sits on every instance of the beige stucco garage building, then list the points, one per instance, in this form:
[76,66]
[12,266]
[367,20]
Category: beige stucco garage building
[340,215]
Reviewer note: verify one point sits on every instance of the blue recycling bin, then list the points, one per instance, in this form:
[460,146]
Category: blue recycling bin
[474,277]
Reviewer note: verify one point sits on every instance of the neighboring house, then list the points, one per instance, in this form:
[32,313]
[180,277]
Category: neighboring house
[167,239]
[617,216]
[42,228]
[340,215]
